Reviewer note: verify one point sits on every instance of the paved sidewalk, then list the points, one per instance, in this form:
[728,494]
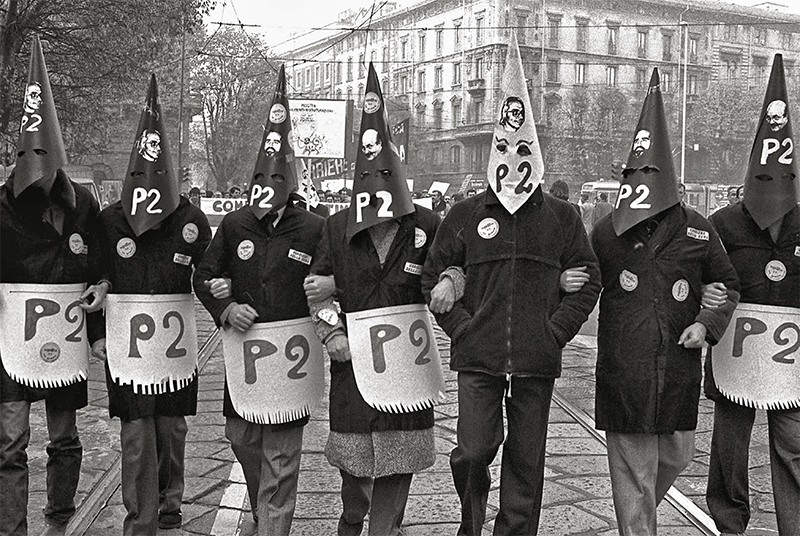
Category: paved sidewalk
[577,495]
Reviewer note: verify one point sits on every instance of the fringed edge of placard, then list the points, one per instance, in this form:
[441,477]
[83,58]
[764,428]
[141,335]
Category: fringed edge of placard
[167,386]
[782,404]
[40,383]
[407,407]
[279,417]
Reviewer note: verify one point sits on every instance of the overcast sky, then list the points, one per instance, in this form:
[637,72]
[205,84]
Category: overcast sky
[278,19]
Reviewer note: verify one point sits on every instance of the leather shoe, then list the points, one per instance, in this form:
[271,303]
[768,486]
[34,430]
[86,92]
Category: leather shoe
[169,521]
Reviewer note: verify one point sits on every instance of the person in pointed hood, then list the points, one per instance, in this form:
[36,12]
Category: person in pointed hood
[380,190]
[46,225]
[151,190]
[275,174]
[649,184]
[511,320]
[655,258]
[254,272]
[149,242]
[374,251]
[761,236]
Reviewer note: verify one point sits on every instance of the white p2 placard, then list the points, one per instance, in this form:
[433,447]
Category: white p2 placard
[395,358]
[151,341]
[43,336]
[757,361]
[275,371]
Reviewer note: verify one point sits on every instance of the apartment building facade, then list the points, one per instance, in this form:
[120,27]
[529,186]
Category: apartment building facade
[441,63]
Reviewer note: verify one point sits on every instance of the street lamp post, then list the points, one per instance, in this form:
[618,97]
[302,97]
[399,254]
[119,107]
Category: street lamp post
[685,28]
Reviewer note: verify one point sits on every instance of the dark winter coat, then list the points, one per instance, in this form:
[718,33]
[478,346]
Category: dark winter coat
[750,250]
[363,284]
[646,382]
[271,281]
[513,319]
[161,264]
[32,251]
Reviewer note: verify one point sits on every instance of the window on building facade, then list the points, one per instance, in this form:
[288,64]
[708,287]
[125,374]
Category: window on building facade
[373,56]
[666,47]
[731,32]
[693,47]
[786,40]
[338,73]
[580,74]
[522,29]
[349,93]
[457,35]
[612,34]
[404,49]
[361,65]
[611,75]
[478,109]
[439,40]
[437,77]
[479,30]
[760,36]
[316,74]
[641,40]
[456,73]
[691,84]
[476,156]
[339,93]
[479,67]
[403,84]
[581,34]
[641,78]
[437,156]
[553,30]
[437,116]
[385,60]
[420,116]
[552,70]
[421,81]
[422,46]
[455,154]
[349,69]
[666,81]
[731,69]
[456,111]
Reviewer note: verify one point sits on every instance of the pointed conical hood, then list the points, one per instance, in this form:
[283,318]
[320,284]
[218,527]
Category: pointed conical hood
[380,190]
[40,150]
[515,167]
[150,192]
[275,174]
[771,188]
[649,184]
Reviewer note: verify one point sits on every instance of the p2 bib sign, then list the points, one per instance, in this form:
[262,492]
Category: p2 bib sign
[43,337]
[395,358]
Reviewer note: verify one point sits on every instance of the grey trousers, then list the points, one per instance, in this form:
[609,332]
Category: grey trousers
[270,462]
[642,468]
[152,471]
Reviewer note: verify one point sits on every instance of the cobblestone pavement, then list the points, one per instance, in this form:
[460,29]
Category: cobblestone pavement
[577,493]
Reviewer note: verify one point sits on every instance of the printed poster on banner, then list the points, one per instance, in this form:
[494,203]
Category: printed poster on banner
[318,127]
[756,362]
[220,206]
[275,371]
[395,358]
[151,341]
[43,340]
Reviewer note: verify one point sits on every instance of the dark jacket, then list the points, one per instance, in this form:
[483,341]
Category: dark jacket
[750,250]
[363,284]
[161,264]
[646,382]
[34,252]
[271,281]
[513,319]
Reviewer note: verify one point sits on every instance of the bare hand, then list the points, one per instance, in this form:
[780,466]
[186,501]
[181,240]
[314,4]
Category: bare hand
[319,287]
[694,336]
[220,287]
[573,279]
[443,296]
[97,293]
[242,316]
[339,348]
[713,295]
[99,349]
